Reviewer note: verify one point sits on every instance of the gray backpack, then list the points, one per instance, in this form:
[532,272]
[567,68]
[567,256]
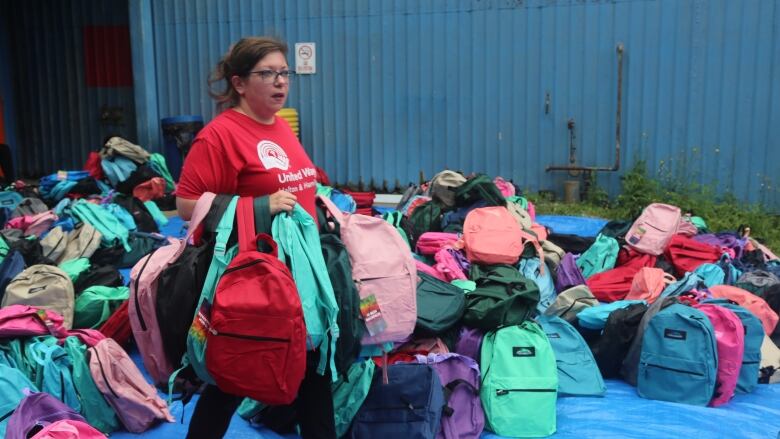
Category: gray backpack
[54,244]
[119,146]
[443,186]
[570,302]
[81,243]
[30,206]
[757,281]
[44,286]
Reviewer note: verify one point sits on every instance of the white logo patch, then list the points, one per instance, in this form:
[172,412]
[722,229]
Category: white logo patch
[272,155]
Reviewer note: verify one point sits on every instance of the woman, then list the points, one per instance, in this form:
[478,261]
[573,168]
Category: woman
[249,151]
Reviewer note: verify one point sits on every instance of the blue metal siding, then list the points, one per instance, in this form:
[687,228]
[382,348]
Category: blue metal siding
[404,87]
[58,115]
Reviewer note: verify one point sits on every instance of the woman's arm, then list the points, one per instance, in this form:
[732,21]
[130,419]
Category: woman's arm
[185,207]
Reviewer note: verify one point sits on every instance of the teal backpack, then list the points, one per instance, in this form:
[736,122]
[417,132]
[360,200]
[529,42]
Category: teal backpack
[196,337]
[156,213]
[158,165]
[52,369]
[600,256]
[96,304]
[12,354]
[350,392]
[520,381]
[10,199]
[530,268]
[12,386]
[395,218]
[117,169]
[299,247]
[122,215]
[578,373]
[105,223]
[94,407]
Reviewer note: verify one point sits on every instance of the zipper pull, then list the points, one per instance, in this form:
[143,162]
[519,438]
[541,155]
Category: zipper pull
[502,392]
[411,407]
[212,331]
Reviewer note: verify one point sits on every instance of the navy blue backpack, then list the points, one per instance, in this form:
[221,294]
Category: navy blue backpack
[408,406]
[12,265]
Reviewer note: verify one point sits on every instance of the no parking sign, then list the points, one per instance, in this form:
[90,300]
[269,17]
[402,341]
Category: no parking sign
[305,58]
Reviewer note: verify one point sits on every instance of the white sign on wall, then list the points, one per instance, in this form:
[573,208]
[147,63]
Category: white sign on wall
[305,58]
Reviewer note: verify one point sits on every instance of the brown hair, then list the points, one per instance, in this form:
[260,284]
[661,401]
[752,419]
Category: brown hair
[239,61]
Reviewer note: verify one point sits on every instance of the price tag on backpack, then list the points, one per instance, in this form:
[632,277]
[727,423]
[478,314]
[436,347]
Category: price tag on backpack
[62,175]
[372,315]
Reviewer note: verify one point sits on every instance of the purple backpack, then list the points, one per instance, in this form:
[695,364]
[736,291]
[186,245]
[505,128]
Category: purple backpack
[469,342]
[35,411]
[463,416]
[569,274]
[723,239]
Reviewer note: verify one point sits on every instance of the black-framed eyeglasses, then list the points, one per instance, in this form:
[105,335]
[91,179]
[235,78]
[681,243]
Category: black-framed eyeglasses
[271,76]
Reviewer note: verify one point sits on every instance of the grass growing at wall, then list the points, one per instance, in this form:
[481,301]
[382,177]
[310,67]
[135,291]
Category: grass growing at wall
[721,213]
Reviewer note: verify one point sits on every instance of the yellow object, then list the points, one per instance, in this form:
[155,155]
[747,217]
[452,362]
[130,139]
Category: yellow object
[291,116]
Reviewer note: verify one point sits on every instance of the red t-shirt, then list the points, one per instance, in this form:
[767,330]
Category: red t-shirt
[234,154]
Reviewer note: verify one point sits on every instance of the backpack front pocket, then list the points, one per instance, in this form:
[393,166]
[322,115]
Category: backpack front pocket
[674,379]
[521,407]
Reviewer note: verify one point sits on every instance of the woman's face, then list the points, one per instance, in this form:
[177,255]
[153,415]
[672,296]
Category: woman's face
[263,91]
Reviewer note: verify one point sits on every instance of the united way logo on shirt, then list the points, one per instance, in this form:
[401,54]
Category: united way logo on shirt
[272,155]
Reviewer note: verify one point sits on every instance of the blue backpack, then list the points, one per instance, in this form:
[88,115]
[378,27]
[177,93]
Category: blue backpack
[343,201]
[711,274]
[578,373]
[10,199]
[12,385]
[409,405]
[12,265]
[679,359]
[529,267]
[595,317]
[117,169]
[754,337]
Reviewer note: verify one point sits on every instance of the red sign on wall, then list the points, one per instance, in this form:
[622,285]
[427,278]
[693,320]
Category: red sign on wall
[107,60]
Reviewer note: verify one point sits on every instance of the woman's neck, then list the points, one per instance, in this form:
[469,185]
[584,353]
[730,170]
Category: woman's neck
[245,110]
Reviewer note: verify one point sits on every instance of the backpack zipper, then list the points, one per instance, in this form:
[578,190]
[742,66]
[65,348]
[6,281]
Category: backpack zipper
[62,386]
[135,296]
[574,302]
[7,415]
[103,373]
[688,372]
[503,392]
[55,247]
[249,337]
[81,255]
[248,264]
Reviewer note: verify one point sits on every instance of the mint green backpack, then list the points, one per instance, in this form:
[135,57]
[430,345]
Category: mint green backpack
[12,386]
[349,394]
[158,165]
[96,304]
[156,213]
[600,256]
[75,267]
[51,367]
[519,382]
[395,218]
[110,228]
[94,407]
[299,247]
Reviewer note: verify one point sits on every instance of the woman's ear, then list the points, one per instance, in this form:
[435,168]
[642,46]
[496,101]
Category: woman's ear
[238,84]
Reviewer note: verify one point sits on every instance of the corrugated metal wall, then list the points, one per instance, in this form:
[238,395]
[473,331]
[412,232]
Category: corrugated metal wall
[58,115]
[405,87]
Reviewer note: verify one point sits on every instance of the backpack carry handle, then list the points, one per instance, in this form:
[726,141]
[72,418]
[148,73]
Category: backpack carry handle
[199,213]
[247,235]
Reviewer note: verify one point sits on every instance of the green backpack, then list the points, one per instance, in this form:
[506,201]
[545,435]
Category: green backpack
[12,386]
[350,392]
[502,297]
[395,218]
[519,381]
[440,305]
[96,304]
[75,267]
[158,165]
[599,257]
[12,352]
[424,218]
[108,225]
[479,187]
[94,407]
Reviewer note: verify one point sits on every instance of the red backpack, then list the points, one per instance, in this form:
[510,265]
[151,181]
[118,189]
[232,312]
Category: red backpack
[686,254]
[118,326]
[256,345]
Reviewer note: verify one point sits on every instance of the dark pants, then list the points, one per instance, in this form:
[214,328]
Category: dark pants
[312,409]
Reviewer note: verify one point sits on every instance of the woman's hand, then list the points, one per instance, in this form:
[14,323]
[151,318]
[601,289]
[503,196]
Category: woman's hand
[281,201]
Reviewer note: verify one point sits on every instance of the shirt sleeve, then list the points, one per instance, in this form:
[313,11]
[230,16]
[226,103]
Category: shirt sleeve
[206,169]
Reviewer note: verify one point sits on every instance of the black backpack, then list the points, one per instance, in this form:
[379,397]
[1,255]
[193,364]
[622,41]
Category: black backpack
[479,187]
[144,220]
[141,174]
[772,298]
[611,348]
[103,275]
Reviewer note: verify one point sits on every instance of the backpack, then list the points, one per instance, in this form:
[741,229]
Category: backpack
[770,362]
[654,228]
[492,236]
[117,146]
[648,284]
[578,373]
[350,321]
[396,219]
[569,274]
[149,311]
[137,209]
[74,268]
[431,242]
[13,384]
[552,256]
[118,326]
[452,221]
[686,254]
[469,342]
[425,218]
[44,286]
[479,187]
[156,213]
[96,304]
[751,302]
[12,265]
[730,339]
[383,267]
[407,392]
[149,190]
[51,369]
[531,269]
[67,429]
[600,256]
[462,415]
[158,164]
[630,366]
[595,317]
[444,186]
[448,264]
[502,297]
[519,381]
[10,199]
[33,225]
[104,275]
[349,393]
[614,284]
[754,336]
[440,305]
[299,247]
[757,281]
[570,302]
[55,242]
[82,242]
[133,399]
[110,228]
[679,357]
[94,407]
[29,207]
[36,411]
[611,348]
[256,337]
[117,169]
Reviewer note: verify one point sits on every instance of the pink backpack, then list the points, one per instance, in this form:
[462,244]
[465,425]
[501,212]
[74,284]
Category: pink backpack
[133,399]
[730,339]
[25,320]
[382,266]
[33,224]
[69,429]
[507,189]
[430,242]
[427,269]
[748,300]
[492,236]
[141,307]
[447,265]
[652,231]
[648,284]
